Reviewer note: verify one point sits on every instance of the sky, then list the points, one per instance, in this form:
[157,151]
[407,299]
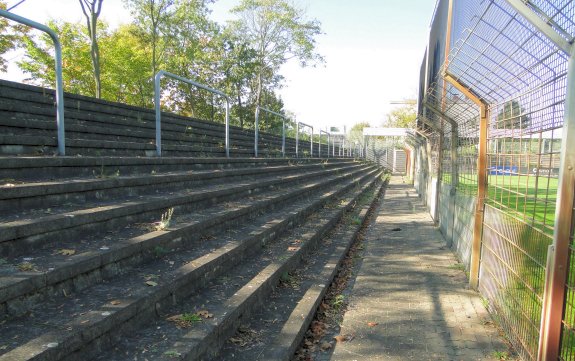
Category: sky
[373,51]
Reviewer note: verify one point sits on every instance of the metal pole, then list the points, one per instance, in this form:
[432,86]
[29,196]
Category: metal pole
[311,144]
[256,131]
[157,98]
[227,127]
[284,138]
[296,139]
[58,65]
[328,138]
[158,112]
[558,259]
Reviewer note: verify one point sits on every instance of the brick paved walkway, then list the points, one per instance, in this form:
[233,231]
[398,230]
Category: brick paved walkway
[410,284]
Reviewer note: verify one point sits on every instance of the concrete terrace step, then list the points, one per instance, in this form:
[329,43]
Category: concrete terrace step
[28,112]
[89,321]
[105,255]
[16,197]
[43,126]
[17,170]
[232,298]
[67,222]
[281,323]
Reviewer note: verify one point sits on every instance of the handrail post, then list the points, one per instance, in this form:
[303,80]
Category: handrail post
[258,109]
[157,99]
[297,140]
[256,131]
[158,112]
[284,138]
[59,81]
[227,126]
[311,144]
[297,137]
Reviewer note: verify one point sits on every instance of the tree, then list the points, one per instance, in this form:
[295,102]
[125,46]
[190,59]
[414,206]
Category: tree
[512,116]
[39,61]
[152,18]
[92,10]
[402,117]
[10,38]
[278,32]
[355,135]
[126,72]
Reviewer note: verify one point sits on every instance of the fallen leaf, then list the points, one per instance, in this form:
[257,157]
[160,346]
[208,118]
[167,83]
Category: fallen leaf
[205,314]
[340,338]
[152,283]
[115,302]
[67,252]
[372,324]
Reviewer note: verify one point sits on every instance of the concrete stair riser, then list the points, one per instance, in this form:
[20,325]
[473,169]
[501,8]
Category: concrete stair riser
[22,294]
[17,237]
[162,296]
[51,194]
[23,169]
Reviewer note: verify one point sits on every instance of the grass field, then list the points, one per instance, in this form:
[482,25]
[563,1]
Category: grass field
[531,199]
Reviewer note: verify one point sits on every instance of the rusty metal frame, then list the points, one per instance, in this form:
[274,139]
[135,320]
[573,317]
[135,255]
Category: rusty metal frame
[481,176]
[558,256]
[557,267]
[454,141]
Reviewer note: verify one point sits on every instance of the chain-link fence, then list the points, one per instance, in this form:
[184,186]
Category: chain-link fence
[495,103]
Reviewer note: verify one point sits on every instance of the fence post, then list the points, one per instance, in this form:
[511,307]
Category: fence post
[481,178]
[256,131]
[558,265]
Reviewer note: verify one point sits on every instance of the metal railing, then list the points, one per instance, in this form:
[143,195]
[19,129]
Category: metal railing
[58,66]
[319,142]
[157,99]
[257,127]
[298,125]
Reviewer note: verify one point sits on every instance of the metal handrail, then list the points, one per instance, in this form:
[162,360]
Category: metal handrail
[297,138]
[256,132]
[59,81]
[157,98]
[319,142]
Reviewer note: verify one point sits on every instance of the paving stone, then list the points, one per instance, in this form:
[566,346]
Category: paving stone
[408,285]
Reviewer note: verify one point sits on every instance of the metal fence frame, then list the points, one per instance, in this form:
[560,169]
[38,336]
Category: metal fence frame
[157,100]
[552,23]
[59,81]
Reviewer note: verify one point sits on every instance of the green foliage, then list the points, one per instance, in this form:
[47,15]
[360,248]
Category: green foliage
[10,37]
[76,63]
[277,31]
[402,117]
[512,116]
[178,36]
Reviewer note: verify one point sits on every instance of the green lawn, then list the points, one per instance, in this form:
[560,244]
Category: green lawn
[529,198]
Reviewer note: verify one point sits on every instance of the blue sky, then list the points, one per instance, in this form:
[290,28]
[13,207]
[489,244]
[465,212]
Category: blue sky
[373,50]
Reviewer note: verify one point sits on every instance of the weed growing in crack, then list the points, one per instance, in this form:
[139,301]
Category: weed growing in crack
[165,220]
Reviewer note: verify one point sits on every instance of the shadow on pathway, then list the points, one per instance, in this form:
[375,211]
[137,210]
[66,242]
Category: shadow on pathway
[410,300]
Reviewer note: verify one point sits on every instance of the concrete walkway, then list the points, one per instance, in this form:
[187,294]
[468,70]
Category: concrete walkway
[410,300]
